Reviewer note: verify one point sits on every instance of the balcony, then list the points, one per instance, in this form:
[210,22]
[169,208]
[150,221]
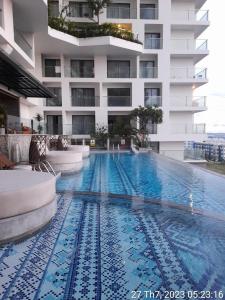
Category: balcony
[193,45]
[196,20]
[181,128]
[153,100]
[119,101]
[148,13]
[85,101]
[23,43]
[188,103]
[116,11]
[153,43]
[188,73]
[52,102]
[191,16]
[120,69]
[52,71]
[148,72]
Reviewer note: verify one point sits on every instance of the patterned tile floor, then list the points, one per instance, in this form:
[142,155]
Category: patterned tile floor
[100,247]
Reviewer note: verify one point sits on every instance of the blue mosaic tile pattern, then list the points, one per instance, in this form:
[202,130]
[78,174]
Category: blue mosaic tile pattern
[101,247]
[152,177]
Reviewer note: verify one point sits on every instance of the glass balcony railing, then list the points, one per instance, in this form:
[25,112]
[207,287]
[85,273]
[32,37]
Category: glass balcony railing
[52,71]
[188,73]
[153,100]
[153,43]
[78,73]
[191,15]
[117,12]
[120,73]
[85,101]
[197,45]
[78,129]
[181,128]
[52,102]
[23,43]
[182,101]
[148,72]
[149,13]
[119,101]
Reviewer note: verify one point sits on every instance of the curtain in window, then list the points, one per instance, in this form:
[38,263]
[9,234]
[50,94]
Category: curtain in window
[83,124]
[148,11]
[83,96]
[82,68]
[118,69]
[50,67]
[152,41]
[118,11]
[57,101]
[147,69]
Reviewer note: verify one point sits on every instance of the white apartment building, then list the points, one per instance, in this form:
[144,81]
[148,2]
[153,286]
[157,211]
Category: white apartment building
[101,79]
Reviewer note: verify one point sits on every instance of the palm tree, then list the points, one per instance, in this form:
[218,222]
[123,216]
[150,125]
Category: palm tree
[143,116]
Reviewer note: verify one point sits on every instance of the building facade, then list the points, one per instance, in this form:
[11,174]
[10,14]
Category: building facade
[100,80]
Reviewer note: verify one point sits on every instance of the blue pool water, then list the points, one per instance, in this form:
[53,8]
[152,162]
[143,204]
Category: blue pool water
[150,176]
[103,244]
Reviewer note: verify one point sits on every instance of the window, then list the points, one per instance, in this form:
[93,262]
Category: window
[147,69]
[152,97]
[54,8]
[148,11]
[152,41]
[83,124]
[52,68]
[82,68]
[83,96]
[80,10]
[57,101]
[119,97]
[118,69]
[118,11]
[54,124]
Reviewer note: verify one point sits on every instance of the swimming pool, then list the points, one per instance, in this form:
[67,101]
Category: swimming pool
[109,246]
[151,176]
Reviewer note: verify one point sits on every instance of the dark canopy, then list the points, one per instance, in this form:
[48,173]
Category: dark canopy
[17,79]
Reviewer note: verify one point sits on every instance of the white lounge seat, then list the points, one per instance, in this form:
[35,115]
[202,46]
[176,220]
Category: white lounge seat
[80,148]
[27,201]
[65,161]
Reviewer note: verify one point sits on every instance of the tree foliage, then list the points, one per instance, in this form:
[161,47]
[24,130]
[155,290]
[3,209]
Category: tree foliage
[97,6]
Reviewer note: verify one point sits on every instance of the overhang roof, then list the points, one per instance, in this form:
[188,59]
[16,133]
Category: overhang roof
[19,80]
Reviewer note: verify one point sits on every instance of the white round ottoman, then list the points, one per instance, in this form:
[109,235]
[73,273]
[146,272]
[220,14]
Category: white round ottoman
[27,202]
[65,161]
[85,150]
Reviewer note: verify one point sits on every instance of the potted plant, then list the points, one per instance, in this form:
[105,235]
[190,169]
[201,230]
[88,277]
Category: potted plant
[2,120]
[39,118]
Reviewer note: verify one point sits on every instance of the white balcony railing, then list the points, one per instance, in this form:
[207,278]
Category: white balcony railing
[197,45]
[153,100]
[185,101]
[191,15]
[182,128]
[188,73]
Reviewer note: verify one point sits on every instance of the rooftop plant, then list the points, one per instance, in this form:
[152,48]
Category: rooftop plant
[86,30]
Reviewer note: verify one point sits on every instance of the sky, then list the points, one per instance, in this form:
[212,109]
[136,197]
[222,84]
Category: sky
[214,117]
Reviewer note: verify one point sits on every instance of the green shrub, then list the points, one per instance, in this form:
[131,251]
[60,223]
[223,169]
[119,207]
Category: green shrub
[86,30]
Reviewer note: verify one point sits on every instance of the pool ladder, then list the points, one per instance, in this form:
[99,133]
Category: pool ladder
[45,166]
